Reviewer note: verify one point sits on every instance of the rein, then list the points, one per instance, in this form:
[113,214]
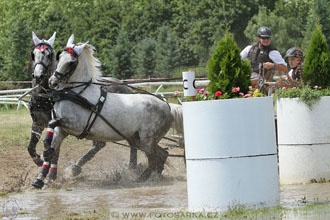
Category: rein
[142,91]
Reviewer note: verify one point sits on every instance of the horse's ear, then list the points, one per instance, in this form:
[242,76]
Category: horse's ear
[36,40]
[79,48]
[51,40]
[70,41]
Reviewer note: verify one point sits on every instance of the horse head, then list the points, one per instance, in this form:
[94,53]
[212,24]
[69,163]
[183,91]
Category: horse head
[43,59]
[67,62]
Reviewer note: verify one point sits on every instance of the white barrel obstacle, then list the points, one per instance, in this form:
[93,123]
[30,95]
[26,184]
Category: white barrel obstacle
[231,153]
[303,140]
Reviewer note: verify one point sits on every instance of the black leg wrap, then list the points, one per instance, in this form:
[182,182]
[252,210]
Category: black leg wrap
[38,183]
[49,153]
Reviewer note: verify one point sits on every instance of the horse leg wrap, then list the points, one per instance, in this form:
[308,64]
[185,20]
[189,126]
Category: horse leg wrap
[38,183]
[50,133]
[48,154]
[48,138]
[53,171]
[44,169]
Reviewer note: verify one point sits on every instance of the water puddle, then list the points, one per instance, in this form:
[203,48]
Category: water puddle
[166,196]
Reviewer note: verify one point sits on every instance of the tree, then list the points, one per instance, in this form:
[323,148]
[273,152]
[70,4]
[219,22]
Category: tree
[319,13]
[119,62]
[316,69]
[167,53]
[226,69]
[144,59]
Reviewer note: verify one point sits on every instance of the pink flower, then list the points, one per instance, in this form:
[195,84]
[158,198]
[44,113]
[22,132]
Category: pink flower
[316,87]
[200,91]
[246,95]
[206,93]
[218,93]
[241,94]
[176,92]
[236,89]
[250,88]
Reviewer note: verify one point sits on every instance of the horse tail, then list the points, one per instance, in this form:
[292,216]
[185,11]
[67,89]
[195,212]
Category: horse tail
[176,112]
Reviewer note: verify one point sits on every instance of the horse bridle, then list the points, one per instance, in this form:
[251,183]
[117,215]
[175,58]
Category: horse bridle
[42,47]
[65,76]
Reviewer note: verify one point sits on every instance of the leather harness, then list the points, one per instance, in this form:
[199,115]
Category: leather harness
[68,94]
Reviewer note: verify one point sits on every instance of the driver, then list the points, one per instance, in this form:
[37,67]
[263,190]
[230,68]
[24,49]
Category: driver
[263,57]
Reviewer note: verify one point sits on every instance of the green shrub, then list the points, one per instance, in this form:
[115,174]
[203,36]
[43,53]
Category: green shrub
[316,69]
[226,69]
[308,95]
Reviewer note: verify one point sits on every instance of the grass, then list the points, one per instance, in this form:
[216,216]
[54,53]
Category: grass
[12,134]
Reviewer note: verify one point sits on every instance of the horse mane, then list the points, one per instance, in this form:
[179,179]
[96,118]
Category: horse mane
[93,64]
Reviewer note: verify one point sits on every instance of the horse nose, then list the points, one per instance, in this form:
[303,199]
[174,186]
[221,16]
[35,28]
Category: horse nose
[37,77]
[40,79]
[52,82]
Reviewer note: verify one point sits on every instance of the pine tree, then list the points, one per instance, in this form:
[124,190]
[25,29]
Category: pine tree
[226,69]
[144,59]
[167,53]
[316,69]
[120,64]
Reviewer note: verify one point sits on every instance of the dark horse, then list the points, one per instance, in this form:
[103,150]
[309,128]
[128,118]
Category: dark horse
[43,64]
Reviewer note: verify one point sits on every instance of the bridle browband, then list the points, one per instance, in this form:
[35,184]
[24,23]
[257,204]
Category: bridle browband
[64,76]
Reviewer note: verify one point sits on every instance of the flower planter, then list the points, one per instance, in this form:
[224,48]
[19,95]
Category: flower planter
[230,153]
[303,140]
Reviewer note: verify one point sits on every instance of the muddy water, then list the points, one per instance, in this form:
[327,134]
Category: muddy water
[164,196]
[115,191]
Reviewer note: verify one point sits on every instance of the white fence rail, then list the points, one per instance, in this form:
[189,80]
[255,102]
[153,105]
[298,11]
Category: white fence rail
[11,96]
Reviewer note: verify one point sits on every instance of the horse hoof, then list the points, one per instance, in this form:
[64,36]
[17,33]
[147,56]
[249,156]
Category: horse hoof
[38,184]
[73,170]
[144,176]
[38,161]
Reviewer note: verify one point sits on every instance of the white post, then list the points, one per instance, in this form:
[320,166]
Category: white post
[189,88]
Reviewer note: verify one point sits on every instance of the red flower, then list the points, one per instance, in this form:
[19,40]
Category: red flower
[218,93]
[236,89]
